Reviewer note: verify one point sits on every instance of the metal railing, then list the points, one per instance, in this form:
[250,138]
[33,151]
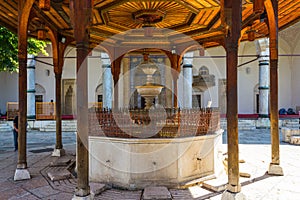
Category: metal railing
[167,123]
[43,110]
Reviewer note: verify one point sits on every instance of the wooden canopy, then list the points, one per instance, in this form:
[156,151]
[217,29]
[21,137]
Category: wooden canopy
[200,20]
[90,22]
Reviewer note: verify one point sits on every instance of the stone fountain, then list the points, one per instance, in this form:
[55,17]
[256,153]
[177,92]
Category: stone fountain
[142,160]
[150,90]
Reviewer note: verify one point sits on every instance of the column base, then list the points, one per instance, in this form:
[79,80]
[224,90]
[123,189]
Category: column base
[31,117]
[58,152]
[275,169]
[233,188]
[21,174]
[263,123]
[88,197]
[227,195]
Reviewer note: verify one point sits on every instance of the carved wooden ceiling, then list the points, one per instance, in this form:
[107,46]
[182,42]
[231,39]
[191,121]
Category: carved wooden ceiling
[198,19]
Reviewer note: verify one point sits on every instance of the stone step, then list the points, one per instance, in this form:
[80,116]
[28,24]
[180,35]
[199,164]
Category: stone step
[74,129]
[295,139]
[67,126]
[5,127]
[161,193]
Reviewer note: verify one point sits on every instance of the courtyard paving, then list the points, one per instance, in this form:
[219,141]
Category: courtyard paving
[255,150]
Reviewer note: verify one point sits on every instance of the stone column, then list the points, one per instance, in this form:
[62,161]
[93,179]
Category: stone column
[107,86]
[187,85]
[262,47]
[30,87]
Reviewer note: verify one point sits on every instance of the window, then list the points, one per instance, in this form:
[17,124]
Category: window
[203,71]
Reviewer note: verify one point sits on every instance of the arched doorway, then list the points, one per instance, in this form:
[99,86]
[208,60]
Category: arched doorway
[99,95]
[256,98]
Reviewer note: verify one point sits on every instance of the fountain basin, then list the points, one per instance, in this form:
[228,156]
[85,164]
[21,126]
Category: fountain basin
[149,90]
[138,163]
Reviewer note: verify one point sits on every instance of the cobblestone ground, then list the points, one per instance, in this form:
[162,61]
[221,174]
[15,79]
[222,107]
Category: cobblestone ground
[255,149]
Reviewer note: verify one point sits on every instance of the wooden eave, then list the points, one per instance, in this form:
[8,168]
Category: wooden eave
[198,19]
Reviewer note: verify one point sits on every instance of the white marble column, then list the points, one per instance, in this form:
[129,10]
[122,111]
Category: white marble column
[126,83]
[262,47]
[187,85]
[30,87]
[107,86]
[106,81]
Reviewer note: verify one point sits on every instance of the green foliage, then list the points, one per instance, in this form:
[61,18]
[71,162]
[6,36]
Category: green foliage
[9,49]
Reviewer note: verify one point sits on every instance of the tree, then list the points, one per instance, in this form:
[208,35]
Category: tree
[9,49]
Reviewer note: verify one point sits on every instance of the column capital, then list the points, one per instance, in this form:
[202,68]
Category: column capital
[31,91]
[262,46]
[106,66]
[187,66]
[58,75]
[30,61]
[82,45]
[264,62]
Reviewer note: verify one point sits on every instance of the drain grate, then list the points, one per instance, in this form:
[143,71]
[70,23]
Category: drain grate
[41,150]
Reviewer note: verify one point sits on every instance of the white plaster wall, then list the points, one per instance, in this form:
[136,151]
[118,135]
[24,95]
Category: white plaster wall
[247,81]
[42,78]
[216,66]
[69,69]
[295,76]
[8,89]
[284,83]
[94,75]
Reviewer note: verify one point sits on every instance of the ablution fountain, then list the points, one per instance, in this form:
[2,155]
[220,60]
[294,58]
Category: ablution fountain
[150,90]
[154,146]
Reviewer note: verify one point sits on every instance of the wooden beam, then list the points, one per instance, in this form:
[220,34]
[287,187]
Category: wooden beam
[58,8]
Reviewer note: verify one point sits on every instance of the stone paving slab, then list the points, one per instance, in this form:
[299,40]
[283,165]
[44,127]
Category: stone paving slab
[97,188]
[61,161]
[257,157]
[44,191]
[33,183]
[159,193]
[59,175]
[114,194]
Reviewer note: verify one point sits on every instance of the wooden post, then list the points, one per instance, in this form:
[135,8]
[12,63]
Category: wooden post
[83,188]
[175,60]
[272,11]
[232,118]
[115,70]
[22,158]
[175,88]
[81,12]
[232,17]
[58,119]
[24,8]
[58,49]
